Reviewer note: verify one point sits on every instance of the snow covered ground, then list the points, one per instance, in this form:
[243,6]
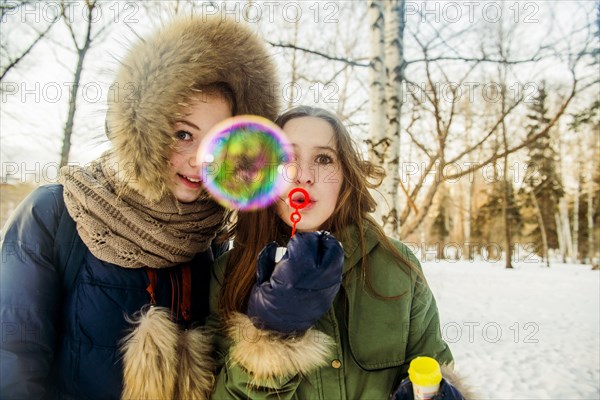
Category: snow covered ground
[527,333]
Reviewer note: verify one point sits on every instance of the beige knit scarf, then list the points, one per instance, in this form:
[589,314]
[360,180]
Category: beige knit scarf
[120,226]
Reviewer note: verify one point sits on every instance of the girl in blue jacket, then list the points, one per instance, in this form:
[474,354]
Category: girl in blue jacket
[144,225]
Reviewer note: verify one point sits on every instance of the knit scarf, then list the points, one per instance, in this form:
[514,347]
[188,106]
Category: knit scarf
[120,226]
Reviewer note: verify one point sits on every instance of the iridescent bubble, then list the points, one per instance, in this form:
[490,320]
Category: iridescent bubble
[242,162]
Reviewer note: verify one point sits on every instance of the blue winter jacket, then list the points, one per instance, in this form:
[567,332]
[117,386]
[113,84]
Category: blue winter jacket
[66,345]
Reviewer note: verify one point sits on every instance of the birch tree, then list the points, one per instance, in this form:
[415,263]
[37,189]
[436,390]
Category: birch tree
[386,80]
[377,82]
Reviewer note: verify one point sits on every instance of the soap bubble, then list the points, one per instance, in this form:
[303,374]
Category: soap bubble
[242,162]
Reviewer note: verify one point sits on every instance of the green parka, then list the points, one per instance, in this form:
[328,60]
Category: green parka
[369,340]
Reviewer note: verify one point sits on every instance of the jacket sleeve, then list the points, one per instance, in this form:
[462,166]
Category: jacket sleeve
[256,363]
[425,337]
[29,294]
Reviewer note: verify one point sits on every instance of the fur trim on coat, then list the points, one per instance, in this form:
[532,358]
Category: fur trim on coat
[196,366]
[457,381]
[158,76]
[160,362]
[269,357]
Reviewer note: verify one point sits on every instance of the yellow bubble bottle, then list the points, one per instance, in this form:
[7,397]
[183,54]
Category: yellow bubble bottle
[425,375]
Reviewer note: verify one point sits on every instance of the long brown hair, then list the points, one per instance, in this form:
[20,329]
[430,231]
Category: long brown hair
[256,229]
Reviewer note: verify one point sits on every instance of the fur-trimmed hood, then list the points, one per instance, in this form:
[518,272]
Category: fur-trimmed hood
[158,76]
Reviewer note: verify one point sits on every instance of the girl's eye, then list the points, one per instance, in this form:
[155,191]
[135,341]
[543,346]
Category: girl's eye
[324,159]
[183,135]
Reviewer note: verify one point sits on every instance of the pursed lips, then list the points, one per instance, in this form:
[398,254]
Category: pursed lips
[310,204]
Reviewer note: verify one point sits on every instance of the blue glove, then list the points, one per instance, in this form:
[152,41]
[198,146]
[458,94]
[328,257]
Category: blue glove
[292,295]
[445,392]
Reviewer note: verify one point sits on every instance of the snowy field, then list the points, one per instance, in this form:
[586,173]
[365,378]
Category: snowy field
[527,333]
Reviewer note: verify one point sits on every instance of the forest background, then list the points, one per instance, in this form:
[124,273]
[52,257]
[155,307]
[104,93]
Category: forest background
[485,114]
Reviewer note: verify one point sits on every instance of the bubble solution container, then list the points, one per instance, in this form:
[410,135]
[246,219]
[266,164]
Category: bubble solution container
[425,375]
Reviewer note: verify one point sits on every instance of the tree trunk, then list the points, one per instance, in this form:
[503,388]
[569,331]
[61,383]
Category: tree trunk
[540,219]
[576,224]
[562,248]
[386,77]
[68,132]
[505,181]
[590,223]
[564,217]
[505,216]
[469,215]
[81,53]
[292,92]
[377,79]
[458,222]
[377,82]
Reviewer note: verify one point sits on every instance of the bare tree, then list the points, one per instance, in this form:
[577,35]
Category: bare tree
[6,53]
[82,50]
[387,95]
[331,52]
[504,45]
[294,66]
[435,150]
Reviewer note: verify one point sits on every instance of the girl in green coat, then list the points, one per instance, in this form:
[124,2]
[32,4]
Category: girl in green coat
[327,321]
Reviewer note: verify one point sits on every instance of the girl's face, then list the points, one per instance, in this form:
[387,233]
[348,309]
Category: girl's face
[184,173]
[318,171]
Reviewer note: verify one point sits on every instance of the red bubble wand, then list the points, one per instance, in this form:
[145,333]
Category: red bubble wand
[295,217]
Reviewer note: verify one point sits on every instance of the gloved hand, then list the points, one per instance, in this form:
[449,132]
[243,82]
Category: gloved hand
[445,392]
[292,295]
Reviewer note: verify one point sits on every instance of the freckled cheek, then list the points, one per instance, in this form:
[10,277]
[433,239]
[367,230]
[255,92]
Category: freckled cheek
[176,161]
